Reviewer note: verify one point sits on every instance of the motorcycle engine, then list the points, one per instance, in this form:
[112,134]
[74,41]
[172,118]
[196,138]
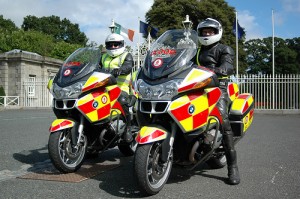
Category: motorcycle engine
[120,129]
[210,136]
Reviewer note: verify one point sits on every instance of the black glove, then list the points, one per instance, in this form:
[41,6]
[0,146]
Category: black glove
[116,72]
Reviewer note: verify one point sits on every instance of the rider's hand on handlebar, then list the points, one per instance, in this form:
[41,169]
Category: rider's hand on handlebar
[116,72]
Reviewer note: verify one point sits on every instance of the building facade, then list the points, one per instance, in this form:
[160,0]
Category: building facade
[17,67]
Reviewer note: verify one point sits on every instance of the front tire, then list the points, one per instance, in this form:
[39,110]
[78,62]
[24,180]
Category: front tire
[63,154]
[151,173]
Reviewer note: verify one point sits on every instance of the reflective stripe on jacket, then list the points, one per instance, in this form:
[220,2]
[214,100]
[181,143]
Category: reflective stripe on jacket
[109,63]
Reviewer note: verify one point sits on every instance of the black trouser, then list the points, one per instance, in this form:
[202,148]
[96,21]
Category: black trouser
[123,99]
[223,105]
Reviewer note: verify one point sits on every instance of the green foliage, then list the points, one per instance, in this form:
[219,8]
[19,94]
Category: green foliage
[260,56]
[6,25]
[60,30]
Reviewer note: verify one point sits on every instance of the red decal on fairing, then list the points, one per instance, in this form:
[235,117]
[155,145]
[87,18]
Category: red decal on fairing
[163,52]
[193,96]
[213,96]
[97,93]
[188,87]
[87,107]
[55,128]
[231,89]
[103,111]
[157,63]
[114,93]
[243,96]
[200,118]
[72,63]
[67,72]
[245,107]
[118,106]
[152,136]
[89,87]
[216,112]
[181,113]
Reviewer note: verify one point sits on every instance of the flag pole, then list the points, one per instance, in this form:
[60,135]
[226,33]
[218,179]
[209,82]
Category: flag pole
[138,48]
[273,57]
[237,46]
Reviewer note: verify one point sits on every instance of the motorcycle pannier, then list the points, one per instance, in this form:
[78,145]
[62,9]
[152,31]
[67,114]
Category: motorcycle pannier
[241,113]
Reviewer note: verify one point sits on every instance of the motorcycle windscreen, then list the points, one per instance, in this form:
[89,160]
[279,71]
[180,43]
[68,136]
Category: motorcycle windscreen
[171,52]
[79,64]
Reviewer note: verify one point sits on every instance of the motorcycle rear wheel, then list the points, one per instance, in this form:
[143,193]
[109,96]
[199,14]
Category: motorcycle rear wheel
[63,154]
[150,172]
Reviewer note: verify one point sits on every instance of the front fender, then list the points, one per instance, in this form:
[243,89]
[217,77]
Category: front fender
[149,134]
[60,124]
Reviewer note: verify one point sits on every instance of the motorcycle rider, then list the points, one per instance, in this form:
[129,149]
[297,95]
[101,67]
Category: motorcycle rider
[119,63]
[219,58]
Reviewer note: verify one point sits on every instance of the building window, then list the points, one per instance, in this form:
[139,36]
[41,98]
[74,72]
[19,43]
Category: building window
[31,85]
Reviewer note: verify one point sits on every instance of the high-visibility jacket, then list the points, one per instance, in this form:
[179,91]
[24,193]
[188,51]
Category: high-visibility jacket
[109,63]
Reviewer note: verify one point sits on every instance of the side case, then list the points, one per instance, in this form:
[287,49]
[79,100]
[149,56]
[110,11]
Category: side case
[241,113]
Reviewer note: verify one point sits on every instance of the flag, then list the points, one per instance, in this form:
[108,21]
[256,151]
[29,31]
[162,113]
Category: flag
[146,29]
[124,31]
[241,31]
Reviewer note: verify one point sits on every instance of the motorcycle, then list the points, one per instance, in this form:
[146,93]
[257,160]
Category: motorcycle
[180,122]
[90,119]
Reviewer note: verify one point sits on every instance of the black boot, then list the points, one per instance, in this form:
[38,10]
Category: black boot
[233,171]
[128,134]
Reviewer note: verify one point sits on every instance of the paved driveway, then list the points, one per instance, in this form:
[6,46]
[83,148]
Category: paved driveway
[268,158]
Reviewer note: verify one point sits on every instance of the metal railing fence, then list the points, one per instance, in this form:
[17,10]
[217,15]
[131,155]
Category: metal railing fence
[9,101]
[279,93]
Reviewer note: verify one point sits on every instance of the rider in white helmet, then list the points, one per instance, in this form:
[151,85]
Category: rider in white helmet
[119,63]
[219,58]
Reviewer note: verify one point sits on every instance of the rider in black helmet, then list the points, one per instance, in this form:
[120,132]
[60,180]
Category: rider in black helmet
[219,58]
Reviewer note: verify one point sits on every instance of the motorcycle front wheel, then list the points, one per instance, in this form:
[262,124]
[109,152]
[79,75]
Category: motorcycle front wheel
[65,156]
[151,173]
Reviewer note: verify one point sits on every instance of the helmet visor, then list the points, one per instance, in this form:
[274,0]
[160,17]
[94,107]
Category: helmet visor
[114,45]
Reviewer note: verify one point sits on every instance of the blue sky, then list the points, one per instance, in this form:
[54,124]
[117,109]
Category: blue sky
[256,17]
[94,17]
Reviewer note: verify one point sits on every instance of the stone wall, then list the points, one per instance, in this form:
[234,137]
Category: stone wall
[17,66]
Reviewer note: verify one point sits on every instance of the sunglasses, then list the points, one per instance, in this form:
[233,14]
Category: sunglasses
[113,44]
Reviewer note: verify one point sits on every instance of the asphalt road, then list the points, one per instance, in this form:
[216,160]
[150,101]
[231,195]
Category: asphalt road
[268,159]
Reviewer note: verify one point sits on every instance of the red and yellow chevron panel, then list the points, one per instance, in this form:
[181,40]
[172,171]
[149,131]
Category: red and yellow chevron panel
[60,124]
[191,111]
[149,134]
[233,91]
[97,105]
[195,76]
[95,80]
[241,104]
[247,120]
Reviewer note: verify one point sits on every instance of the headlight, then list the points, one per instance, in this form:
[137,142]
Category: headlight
[72,91]
[163,91]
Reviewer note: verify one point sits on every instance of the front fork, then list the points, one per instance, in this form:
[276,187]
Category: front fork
[167,145]
[77,130]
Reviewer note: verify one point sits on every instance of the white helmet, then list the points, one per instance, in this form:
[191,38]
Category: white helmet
[114,44]
[209,23]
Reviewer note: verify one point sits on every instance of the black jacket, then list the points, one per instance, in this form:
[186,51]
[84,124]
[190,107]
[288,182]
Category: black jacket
[217,57]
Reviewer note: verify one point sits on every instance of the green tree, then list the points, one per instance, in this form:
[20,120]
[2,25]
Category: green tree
[260,56]
[173,12]
[7,25]
[61,30]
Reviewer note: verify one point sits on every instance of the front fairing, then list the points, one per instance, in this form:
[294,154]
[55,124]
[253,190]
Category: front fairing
[171,52]
[78,65]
